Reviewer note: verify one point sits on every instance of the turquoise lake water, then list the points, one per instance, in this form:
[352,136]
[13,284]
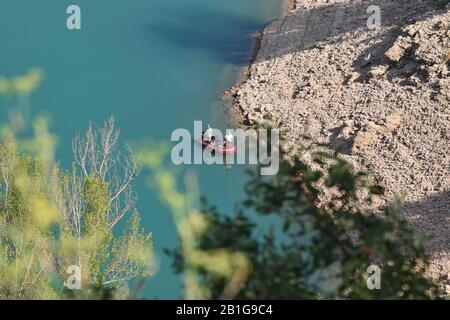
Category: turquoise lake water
[155,65]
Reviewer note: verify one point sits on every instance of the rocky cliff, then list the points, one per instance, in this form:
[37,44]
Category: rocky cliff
[380,96]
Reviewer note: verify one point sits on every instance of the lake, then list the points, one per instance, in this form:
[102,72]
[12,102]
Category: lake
[155,65]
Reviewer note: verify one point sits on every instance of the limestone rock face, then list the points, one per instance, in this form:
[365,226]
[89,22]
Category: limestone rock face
[397,51]
[370,132]
[381,97]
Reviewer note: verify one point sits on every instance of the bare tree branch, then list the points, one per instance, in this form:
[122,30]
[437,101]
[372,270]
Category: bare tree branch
[100,153]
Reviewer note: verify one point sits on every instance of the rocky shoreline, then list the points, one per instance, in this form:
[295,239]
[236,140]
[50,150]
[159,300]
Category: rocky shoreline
[381,97]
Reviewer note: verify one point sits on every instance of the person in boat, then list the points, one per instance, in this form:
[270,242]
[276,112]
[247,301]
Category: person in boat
[229,139]
[207,134]
[212,141]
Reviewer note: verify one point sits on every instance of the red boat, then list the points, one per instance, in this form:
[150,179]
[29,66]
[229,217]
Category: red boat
[222,150]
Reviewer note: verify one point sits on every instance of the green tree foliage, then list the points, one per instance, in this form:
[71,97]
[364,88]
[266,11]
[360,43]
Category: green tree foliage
[51,219]
[321,239]
[97,197]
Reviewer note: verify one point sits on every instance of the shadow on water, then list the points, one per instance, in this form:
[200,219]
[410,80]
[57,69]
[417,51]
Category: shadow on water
[227,36]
